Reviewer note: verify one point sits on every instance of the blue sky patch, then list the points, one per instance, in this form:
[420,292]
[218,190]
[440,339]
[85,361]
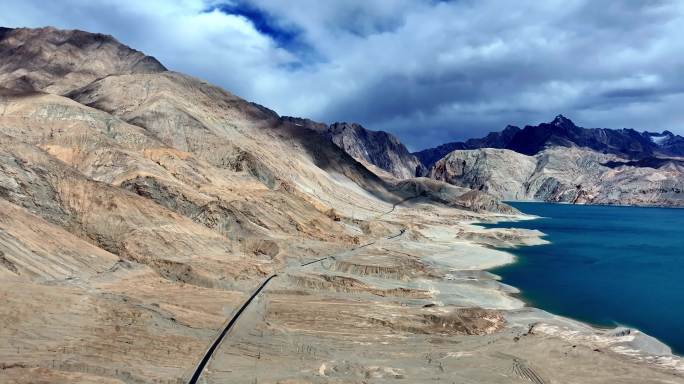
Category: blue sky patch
[285,37]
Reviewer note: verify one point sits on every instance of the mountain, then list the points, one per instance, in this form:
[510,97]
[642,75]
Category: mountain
[431,155]
[561,162]
[493,140]
[378,148]
[562,132]
[58,61]
[561,174]
[139,207]
[667,142]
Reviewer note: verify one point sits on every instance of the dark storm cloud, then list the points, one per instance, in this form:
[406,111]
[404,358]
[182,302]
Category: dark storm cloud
[429,71]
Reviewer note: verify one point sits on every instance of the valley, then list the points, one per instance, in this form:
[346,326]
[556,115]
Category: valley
[141,208]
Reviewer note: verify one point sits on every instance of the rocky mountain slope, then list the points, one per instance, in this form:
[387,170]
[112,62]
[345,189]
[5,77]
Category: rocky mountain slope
[58,61]
[493,140]
[376,148]
[560,174]
[140,206]
[622,142]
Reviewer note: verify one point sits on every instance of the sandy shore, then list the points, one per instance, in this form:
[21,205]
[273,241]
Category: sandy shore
[423,308]
[622,340]
[420,307]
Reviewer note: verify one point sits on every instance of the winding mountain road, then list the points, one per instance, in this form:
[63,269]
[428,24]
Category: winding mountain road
[199,369]
[401,232]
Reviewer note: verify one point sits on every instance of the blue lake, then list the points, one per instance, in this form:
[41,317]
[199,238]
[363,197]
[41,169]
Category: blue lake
[606,266]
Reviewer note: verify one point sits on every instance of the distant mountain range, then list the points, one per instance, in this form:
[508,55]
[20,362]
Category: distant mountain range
[493,140]
[555,161]
[562,132]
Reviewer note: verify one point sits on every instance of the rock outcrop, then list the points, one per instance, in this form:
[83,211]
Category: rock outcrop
[560,174]
[377,148]
[500,172]
[493,140]
[431,155]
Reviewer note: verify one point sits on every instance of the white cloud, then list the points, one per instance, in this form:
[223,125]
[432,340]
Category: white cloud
[431,71]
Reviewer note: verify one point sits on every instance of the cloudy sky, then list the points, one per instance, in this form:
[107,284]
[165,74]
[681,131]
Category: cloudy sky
[428,71]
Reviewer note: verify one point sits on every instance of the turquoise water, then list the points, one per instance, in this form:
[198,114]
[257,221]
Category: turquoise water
[606,266]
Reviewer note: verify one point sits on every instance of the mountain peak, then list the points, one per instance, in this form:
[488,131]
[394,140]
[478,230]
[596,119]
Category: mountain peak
[59,61]
[379,148]
[562,121]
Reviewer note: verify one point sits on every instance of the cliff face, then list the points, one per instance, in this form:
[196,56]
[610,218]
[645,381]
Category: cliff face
[378,148]
[561,174]
[487,170]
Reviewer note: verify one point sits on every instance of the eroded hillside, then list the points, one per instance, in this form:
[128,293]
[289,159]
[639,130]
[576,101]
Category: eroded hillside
[569,175]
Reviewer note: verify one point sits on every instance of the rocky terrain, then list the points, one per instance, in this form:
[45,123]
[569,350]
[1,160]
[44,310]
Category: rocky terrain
[57,61]
[562,132]
[560,162]
[571,175]
[555,162]
[493,140]
[140,208]
[376,148]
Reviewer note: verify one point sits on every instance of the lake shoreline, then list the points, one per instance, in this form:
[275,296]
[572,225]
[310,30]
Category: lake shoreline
[629,341]
[678,207]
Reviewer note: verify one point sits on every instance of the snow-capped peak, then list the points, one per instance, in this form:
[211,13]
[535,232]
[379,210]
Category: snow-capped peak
[659,138]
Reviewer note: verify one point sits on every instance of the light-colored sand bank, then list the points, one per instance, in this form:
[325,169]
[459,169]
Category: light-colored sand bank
[623,341]
[423,308]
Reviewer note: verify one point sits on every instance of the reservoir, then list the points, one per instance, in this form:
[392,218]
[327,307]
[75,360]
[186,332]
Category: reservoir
[605,265]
